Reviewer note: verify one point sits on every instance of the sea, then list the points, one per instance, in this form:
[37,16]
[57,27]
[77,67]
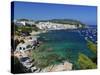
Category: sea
[66,43]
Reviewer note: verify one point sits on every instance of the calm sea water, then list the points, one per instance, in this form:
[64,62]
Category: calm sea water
[65,43]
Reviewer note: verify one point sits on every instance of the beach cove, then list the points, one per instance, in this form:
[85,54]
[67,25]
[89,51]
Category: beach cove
[59,46]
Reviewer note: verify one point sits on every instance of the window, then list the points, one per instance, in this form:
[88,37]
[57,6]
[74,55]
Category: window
[29,46]
[20,48]
[23,48]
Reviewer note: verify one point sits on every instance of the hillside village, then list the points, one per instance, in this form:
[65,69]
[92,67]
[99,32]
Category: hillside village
[49,25]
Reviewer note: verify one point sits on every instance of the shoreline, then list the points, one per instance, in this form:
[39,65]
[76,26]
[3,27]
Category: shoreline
[55,67]
[65,66]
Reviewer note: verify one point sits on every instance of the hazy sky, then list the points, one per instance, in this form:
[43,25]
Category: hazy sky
[40,11]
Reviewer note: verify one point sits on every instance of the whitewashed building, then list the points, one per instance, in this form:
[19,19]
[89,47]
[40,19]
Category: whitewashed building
[55,26]
[24,47]
[24,23]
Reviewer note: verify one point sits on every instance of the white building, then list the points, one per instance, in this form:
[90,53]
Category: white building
[28,45]
[24,47]
[53,26]
[23,23]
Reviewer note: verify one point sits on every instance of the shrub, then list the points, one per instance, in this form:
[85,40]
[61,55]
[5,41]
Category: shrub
[92,46]
[85,62]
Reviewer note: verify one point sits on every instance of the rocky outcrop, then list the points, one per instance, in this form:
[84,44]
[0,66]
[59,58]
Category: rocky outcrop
[60,67]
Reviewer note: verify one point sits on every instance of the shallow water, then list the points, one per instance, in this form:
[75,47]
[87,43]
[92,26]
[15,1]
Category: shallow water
[65,43]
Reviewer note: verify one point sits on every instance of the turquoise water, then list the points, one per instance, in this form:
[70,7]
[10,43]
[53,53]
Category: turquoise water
[66,43]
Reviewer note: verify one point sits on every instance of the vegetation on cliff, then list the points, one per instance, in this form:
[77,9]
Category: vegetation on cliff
[85,62]
[92,46]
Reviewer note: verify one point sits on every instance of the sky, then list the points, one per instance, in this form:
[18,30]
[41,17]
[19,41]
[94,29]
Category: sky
[45,11]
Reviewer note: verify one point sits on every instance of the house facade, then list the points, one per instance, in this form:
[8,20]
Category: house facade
[24,23]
